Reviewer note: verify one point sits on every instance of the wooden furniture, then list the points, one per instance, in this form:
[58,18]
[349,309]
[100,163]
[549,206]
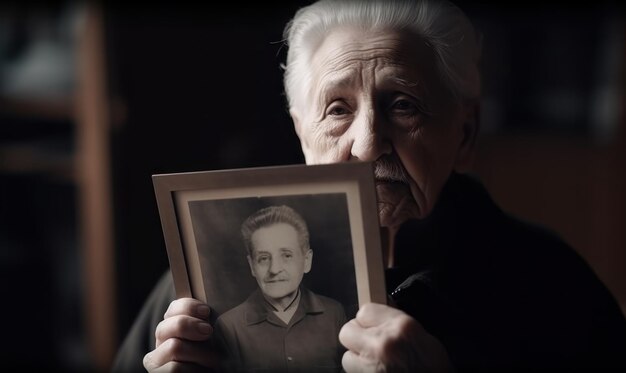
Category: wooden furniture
[94,180]
[63,140]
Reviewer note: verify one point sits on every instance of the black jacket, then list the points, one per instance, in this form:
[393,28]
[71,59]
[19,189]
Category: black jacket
[500,294]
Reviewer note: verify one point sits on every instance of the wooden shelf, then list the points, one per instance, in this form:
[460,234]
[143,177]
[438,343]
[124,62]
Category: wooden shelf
[39,158]
[48,109]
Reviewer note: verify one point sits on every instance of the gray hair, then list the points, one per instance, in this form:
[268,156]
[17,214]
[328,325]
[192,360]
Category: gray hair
[442,25]
[271,215]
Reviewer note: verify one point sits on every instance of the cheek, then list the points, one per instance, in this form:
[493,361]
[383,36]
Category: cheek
[427,156]
[413,154]
[321,148]
[428,170]
[296,275]
[258,270]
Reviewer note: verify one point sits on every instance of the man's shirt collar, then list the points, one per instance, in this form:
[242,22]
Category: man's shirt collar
[257,311]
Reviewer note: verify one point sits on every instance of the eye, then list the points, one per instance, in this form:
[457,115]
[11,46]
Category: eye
[337,118]
[404,106]
[338,108]
[287,255]
[262,259]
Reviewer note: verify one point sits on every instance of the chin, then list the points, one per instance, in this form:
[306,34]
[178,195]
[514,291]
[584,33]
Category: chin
[278,294]
[396,204]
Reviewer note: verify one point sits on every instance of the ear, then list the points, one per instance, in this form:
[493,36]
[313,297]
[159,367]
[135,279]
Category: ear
[308,260]
[471,124]
[251,266]
[295,117]
[297,124]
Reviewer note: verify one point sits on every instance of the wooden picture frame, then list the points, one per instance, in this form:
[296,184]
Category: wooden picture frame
[201,215]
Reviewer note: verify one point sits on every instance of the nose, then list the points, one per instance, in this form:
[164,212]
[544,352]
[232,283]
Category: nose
[370,140]
[275,266]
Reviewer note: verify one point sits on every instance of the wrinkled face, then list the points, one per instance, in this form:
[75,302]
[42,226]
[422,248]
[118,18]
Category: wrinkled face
[278,263]
[377,96]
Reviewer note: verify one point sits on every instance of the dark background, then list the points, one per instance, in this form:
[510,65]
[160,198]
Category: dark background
[202,90]
[196,86]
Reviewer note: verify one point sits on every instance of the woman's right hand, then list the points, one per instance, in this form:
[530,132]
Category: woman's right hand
[181,338]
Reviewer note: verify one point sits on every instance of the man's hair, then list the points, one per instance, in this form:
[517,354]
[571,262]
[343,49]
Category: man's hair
[274,215]
[441,24]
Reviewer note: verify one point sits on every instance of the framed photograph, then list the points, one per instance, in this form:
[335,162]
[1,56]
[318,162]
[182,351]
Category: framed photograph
[204,215]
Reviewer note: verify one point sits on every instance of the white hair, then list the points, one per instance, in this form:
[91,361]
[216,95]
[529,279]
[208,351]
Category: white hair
[442,25]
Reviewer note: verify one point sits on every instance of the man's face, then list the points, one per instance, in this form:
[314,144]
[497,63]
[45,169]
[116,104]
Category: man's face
[379,97]
[278,263]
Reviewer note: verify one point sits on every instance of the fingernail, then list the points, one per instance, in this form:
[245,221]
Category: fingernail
[203,310]
[205,328]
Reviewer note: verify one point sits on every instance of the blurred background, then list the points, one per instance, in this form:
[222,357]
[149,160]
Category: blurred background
[94,99]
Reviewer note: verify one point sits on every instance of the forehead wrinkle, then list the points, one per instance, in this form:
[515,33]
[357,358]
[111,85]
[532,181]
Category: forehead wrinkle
[343,67]
[404,82]
[346,56]
[372,58]
[402,75]
[352,71]
[331,79]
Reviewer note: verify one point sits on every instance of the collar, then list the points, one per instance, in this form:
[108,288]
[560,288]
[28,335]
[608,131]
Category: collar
[294,303]
[256,311]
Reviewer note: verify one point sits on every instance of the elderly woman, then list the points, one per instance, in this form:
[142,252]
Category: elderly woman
[471,288]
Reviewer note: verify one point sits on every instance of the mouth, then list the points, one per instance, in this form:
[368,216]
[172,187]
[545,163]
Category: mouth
[383,184]
[386,181]
[274,281]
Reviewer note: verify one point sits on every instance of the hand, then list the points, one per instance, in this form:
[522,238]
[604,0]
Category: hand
[181,338]
[384,339]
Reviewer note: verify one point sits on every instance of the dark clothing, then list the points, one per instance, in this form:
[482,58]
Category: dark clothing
[503,295]
[141,339]
[255,339]
[500,294]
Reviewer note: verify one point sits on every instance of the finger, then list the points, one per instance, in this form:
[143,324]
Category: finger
[182,327]
[367,343]
[352,362]
[176,367]
[189,307]
[181,351]
[351,336]
[373,314]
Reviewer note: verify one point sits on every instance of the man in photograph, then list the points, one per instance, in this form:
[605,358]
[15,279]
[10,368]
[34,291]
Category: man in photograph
[282,325]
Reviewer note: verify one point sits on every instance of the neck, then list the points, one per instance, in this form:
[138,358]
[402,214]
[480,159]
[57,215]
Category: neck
[388,239]
[283,303]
